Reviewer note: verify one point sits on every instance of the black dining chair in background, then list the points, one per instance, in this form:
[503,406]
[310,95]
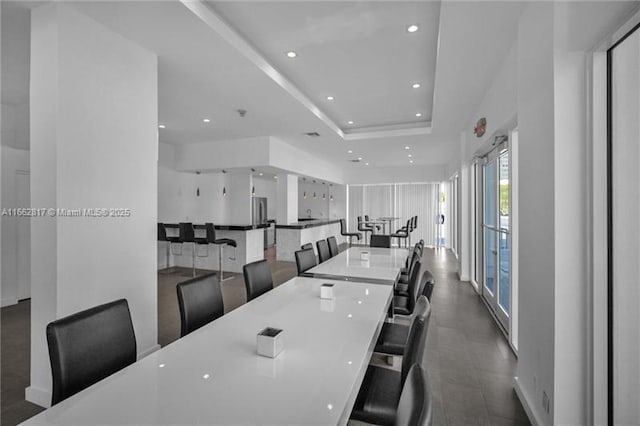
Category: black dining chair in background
[378,240]
[404,305]
[257,279]
[374,228]
[88,346]
[199,301]
[333,246]
[350,235]
[323,250]
[363,228]
[305,260]
[306,246]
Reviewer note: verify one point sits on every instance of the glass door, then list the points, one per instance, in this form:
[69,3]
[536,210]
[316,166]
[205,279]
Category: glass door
[496,287]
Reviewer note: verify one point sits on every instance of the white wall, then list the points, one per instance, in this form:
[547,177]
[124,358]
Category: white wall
[16,252]
[94,144]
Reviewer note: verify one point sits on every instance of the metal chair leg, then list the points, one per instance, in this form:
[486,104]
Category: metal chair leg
[220,269]
[193,261]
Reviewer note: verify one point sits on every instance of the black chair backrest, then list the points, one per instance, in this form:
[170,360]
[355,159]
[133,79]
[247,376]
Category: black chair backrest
[378,240]
[200,302]
[307,246]
[257,278]
[416,403]
[414,283]
[211,232]
[305,260]
[162,232]
[427,282]
[415,256]
[343,226]
[186,232]
[415,222]
[88,346]
[366,218]
[323,250]
[417,337]
[333,246]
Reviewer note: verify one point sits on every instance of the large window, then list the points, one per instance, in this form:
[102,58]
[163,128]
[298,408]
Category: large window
[624,229]
[401,201]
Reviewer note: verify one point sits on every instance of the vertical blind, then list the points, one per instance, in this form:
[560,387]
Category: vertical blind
[397,200]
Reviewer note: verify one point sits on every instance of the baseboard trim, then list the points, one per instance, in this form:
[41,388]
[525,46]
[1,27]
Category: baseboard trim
[38,396]
[533,418]
[8,301]
[149,351]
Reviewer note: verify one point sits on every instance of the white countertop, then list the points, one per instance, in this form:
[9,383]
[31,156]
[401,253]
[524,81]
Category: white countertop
[383,265]
[214,375]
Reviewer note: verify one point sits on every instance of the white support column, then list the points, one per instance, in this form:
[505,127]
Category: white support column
[287,211]
[94,145]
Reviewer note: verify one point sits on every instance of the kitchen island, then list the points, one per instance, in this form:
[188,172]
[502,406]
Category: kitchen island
[292,236]
[249,240]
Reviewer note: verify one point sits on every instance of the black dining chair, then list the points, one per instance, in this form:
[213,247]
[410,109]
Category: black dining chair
[88,346]
[363,228]
[350,235]
[333,246]
[393,335]
[306,246]
[305,260]
[416,402]
[379,396]
[379,240]
[257,278]
[402,286]
[323,250]
[403,233]
[199,301]
[404,304]
[374,228]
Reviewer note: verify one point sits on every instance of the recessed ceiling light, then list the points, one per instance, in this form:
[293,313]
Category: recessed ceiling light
[418,114]
[411,161]
[416,85]
[260,173]
[359,158]
[330,98]
[409,155]
[366,164]
[412,28]
[350,152]
[206,120]
[350,122]
[291,54]
[275,177]
[406,147]
[161,126]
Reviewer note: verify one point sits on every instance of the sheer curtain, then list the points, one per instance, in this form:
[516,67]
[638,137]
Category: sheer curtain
[397,200]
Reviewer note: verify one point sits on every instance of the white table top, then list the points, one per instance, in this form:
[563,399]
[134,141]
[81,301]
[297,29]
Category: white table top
[383,266]
[214,375]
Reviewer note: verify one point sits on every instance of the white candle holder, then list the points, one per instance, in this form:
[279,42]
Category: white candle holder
[270,342]
[326,291]
[364,256]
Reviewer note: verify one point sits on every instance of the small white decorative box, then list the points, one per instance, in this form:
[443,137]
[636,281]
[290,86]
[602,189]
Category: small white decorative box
[326,291]
[364,256]
[270,342]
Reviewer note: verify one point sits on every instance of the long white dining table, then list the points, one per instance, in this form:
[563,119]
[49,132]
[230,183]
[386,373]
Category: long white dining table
[382,267]
[214,376]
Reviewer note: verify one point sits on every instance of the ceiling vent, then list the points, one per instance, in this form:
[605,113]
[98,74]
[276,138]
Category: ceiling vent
[313,134]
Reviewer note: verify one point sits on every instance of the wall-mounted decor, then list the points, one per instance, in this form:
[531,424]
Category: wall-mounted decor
[314,196]
[224,191]
[253,191]
[304,195]
[198,192]
[481,127]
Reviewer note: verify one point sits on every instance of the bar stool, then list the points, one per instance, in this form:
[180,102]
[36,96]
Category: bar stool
[162,236]
[344,233]
[402,233]
[187,235]
[222,242]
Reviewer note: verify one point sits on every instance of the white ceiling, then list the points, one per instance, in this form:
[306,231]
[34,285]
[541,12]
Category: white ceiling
[358,52]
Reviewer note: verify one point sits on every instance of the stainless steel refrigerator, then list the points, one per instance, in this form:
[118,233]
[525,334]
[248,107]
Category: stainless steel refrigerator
[259,215]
